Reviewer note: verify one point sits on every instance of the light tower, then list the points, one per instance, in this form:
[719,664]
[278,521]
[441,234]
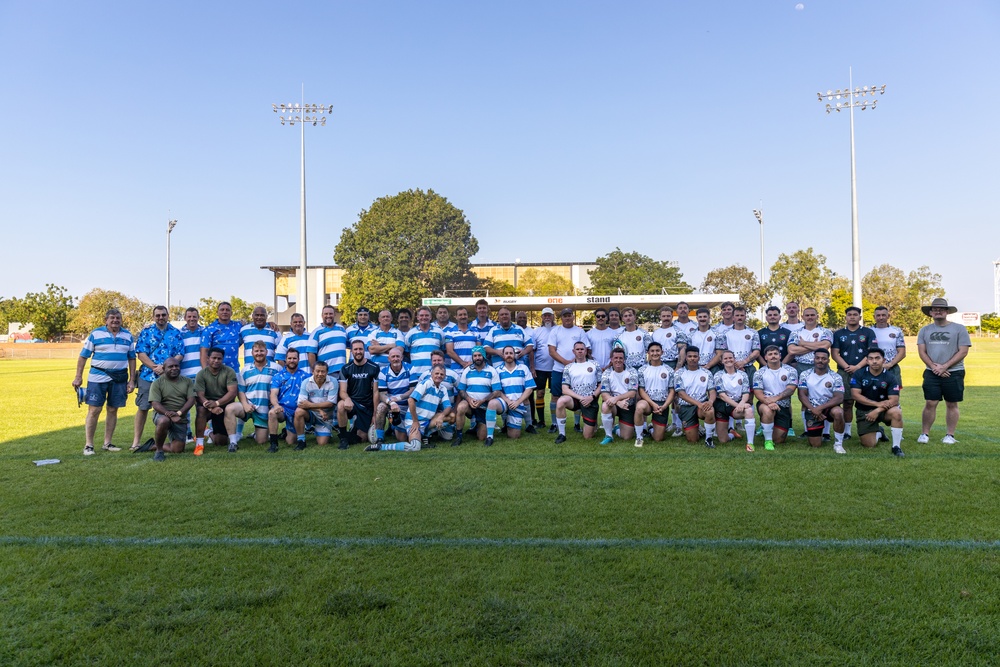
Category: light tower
[851,99]
[170,227]
[759,214]
[996,286]
[299,113]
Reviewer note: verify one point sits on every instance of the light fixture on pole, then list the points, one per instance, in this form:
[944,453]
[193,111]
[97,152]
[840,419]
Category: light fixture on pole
[996,286]
[863,97]
[300,113]
[170,227]
[759,214]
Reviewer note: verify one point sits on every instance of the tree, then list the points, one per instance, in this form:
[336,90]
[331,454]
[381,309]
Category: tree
[242,309]
[9,309]
[834,315]
[405,247]
[991,323]
[885,285]
[804,277]
[90,312]
[737,279]
[544,283]
[48,311]
[495,287]
[634,273]
[924,287]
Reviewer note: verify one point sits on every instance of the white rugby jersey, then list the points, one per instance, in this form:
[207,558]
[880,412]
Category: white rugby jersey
[794,327]
[669,338]
[601,341]
[774,381]
[741,342]
[617,384]
[657,381]
[695,384]
[821,388]
[889,339]
[722,328]
[582,377]
[687,328]
[634,343]
[734,385]
[809,336]
[705,341]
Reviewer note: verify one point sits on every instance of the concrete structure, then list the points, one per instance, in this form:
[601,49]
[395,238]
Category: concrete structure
[326,284]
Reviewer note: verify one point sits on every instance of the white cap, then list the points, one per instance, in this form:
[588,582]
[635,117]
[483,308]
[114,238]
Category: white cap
[548,311]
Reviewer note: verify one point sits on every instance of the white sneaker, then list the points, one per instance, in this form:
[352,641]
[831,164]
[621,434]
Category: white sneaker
[88,450]
[949,440]
[923,439]
[638,441]
[839,448]
[678,433]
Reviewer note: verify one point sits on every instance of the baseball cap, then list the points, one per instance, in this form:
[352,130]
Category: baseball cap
[566,311]
[362,309]
[548,311]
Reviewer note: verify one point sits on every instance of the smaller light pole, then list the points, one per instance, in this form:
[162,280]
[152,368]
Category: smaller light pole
[759,214]
[170,227]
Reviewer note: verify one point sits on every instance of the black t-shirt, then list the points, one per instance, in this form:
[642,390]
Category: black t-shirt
[853,345]
[777,337]
[874,387]
[360,382]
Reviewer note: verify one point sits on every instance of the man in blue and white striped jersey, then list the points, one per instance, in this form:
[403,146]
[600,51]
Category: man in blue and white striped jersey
[428,410]
[422,340]
[386,338]
[362,328]
[503,334]
[259,330]
[479,395]
[395,384]
[253,397]
[331,341]
[517,385]
[111,351]
[298,339]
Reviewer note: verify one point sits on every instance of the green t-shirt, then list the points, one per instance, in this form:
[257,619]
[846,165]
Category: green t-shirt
[171,394]
[214,386]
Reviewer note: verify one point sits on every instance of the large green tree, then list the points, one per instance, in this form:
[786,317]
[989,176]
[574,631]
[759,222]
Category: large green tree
[543,283]
[736,279]
[835,315]
[885,285]
[924,287]
[48,312]
[635,273]
[403,248]
[804,277]
[90,312]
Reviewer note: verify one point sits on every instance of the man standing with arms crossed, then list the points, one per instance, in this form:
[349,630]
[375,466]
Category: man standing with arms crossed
[111,378]
[942,346]
[891,341]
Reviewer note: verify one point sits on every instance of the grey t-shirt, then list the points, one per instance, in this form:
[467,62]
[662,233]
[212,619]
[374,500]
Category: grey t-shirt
[942,343]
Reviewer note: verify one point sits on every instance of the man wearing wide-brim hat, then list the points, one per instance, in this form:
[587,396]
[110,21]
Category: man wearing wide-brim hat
[942,346]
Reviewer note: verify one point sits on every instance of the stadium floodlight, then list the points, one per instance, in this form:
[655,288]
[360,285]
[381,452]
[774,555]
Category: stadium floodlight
[856,97]
[170,227]
[759,214]
[302,296]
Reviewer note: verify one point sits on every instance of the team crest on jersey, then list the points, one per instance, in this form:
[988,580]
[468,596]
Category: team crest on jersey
[702,378]
[667,335]
[883,384]
[626,380]
[739,381]
[828,385]
[784,377]
[747,336]
[590,369]
[638,337]
[663,376]
[892,335]
[708,340]
[815,336]
[862,338]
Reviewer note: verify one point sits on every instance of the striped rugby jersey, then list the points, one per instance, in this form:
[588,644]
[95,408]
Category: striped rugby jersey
[421,343]
[255,383]
[479,384]
[191,363]
[331,346]
[302,342]
[249,334]
[107,351]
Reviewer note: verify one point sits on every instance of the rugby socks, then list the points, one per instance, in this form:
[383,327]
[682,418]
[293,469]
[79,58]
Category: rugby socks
[897,436]
[491,422]
[379,433]
[847,429]
[393,447]
[552,405]
[768,431]
[608,422]
[709,431]
[576,420]
[199,442]
[826,428]
[732,424]
[677,422]
[751,427]
[301,437]
[838,438]
[233,438]
[273,438]
[804,426]
[561,425]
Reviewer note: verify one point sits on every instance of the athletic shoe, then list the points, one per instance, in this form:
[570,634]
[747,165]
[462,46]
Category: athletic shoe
[199,450]
[791,433]
[159,456]
[734,434]
[839,448]
[897,451]
[750,447]
[233,447]
[638,441]
[607,440]
[301,444]
[457,440]
[344,444]
[881,434]
[579,429]
[701,430]
[273,448]
[474,432]
[553,428]
[847,436]
[678,432]
[88,450]
[949,440]
[560,439]
[488,442]
[826,437]
[530,429]
[426,443]
[540,424]
[373,448]
[769,445]
[923,439]
[108,447]
[710,443]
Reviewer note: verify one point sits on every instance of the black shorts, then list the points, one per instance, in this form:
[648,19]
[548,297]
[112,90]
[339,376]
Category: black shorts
[362,417]
[589,413]
[951,388]
[542,380]
[218,423]
[663,418]
[864,426]
[723,411]
[814,426]
[782,418]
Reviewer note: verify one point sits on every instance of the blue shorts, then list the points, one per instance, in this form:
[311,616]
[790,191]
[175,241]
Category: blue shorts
[319,426]
[514,418]
[555,385]
[114,393]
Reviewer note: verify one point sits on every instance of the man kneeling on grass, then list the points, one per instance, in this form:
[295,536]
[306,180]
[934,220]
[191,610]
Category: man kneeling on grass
[695,397]
[773,386]
[823,392]
[317,406]
[429,408]
[216,387]
[171,396]
[876,394]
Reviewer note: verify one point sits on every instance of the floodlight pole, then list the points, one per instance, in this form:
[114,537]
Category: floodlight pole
[170,227]
[759,214]
[302,119]
[851,94]
[996,286]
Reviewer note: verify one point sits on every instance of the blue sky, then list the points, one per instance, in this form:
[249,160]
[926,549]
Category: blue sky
[562,129]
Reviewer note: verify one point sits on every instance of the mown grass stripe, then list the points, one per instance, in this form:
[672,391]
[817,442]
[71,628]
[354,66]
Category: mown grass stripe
[806,544]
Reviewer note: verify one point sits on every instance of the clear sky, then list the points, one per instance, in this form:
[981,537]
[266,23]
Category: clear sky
[562,129]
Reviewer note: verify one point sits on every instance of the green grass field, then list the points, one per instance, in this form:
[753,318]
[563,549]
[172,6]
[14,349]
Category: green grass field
[522,554]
